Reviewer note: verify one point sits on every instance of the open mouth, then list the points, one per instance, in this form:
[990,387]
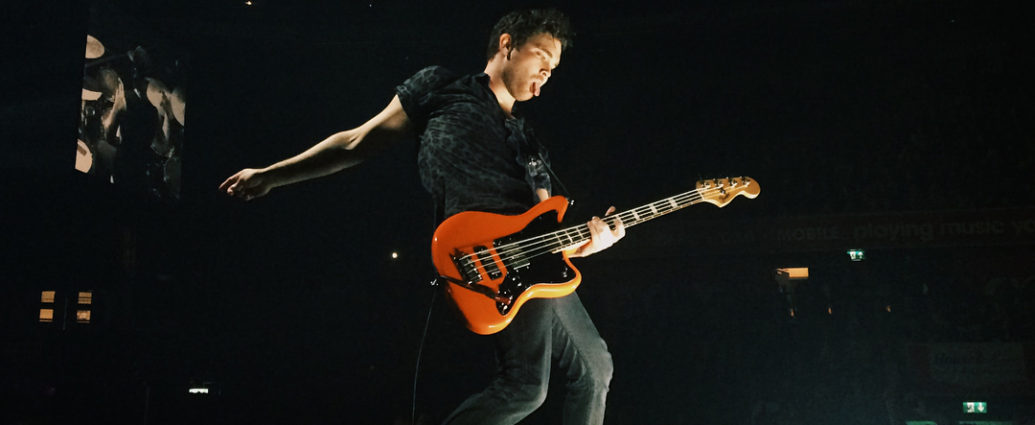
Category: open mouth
[536,85]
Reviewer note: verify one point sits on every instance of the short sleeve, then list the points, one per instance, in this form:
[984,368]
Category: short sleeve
[416,93]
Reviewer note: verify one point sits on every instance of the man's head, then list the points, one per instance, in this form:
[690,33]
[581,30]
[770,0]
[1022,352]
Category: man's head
[523,24]
[525,47]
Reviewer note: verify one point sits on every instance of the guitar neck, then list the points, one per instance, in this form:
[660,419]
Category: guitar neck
[578,234]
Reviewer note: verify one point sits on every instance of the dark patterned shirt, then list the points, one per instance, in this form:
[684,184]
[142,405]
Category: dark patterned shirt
[471,157]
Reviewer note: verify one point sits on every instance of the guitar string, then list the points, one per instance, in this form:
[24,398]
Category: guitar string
[631,217]
[552,241]
[553,238]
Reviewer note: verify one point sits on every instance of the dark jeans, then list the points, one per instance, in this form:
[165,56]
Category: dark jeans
[544,331]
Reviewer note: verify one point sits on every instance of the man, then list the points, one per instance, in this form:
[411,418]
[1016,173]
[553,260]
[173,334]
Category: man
[475,154]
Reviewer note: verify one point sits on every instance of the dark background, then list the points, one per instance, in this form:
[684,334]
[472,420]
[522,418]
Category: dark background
[293,309]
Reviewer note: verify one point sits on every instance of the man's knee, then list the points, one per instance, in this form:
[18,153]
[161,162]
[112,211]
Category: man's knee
[530,396]
[597,370]
[603,370]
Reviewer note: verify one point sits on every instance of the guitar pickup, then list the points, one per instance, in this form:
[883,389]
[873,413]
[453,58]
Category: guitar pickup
[488,263]
[468,270]
[513,258]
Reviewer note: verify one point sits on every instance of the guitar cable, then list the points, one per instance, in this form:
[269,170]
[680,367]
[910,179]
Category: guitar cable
[420,350]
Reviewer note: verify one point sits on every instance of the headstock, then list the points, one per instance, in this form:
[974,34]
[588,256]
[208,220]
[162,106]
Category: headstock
[721,191]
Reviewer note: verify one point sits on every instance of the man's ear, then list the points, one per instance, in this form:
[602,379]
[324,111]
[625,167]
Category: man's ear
[505,44]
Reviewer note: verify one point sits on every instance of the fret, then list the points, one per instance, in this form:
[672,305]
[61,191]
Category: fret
[671,201]
[663,207]
[573,235]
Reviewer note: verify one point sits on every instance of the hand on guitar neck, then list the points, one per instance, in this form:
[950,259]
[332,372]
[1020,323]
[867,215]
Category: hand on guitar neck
[602,236]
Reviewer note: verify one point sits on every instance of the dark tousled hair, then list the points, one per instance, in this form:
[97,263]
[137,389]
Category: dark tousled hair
[522,24]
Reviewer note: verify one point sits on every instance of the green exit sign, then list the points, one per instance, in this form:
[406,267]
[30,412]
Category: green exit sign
[975,407]
[856,254]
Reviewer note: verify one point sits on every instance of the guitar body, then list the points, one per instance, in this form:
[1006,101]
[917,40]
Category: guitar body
[493,263]
[489,285]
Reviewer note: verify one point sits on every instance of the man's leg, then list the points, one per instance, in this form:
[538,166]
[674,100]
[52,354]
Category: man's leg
[582,353]
[523,374]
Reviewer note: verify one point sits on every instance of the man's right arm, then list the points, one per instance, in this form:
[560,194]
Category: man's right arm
[335,153]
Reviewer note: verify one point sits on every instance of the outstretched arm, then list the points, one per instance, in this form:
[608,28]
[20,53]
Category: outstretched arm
[335,153]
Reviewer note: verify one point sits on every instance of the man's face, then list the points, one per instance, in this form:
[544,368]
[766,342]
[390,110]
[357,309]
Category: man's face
[530,65]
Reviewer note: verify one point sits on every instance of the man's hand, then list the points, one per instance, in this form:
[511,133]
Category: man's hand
[601,235]
[247,184]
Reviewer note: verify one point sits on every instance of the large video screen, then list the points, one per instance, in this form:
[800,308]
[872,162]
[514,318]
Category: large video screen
[132,118]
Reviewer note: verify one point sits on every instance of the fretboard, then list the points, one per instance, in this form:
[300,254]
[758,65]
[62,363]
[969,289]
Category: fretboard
[575,235]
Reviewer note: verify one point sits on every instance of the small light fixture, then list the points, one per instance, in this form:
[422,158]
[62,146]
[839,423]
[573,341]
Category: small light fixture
[395,255]
[856,254]
[199,388]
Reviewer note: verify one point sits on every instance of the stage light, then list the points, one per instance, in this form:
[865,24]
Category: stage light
[85,297]
[856,254]
[82,316]
[47,307]
[793,273]
[395,255]
[197,391]
[975,407]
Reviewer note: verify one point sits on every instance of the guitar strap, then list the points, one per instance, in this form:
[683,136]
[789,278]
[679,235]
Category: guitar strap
[553,175]
[539,161]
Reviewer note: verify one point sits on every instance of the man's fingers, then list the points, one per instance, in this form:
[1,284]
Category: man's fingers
[610,210]
[596,226]
[619,228]
[227,183]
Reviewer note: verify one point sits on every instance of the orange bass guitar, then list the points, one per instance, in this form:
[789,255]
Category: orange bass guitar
[494,263]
